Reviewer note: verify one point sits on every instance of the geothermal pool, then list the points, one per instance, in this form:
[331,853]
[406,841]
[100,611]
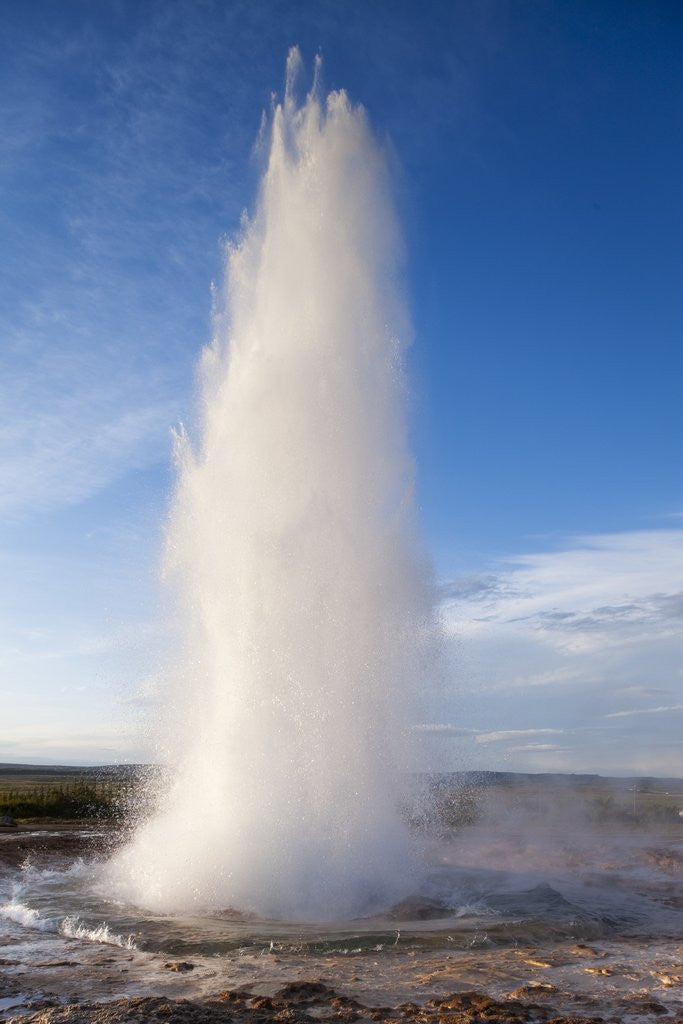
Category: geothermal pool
[587,923]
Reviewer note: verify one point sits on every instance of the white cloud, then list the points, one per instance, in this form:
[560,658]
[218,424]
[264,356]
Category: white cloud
[106,296]
[585,640]
[639,691]
[77,419]
[443,729]
[536,747]
[92,745]
[602,589]
[600,592]
[645,711]
[509,734]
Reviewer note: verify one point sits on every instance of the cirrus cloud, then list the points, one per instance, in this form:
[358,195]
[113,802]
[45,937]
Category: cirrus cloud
[582,638]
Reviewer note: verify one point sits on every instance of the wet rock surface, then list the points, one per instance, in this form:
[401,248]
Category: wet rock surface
[301,1002]
[53,845]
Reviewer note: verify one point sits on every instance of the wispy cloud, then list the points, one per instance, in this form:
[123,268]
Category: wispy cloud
[630,713]
[548,748]
[63,449]
[639,691]
[598,590]
[443,729]
[510,734]
[575,634]
[123,183]
[94,745]
[476,587]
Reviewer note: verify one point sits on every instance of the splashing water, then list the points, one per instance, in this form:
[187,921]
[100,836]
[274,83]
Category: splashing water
[305,601]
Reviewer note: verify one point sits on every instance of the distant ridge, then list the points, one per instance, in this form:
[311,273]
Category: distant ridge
[471,778]
[7,768]
[572,779]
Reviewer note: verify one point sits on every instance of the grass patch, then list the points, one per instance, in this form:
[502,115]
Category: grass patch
[74,801]
[37,792]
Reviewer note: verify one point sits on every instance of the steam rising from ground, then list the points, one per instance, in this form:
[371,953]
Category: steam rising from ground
[306,610]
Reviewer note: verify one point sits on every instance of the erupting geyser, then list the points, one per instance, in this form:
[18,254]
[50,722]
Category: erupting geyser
[305,602]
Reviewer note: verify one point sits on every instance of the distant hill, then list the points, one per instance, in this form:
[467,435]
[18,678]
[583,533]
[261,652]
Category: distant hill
[25,776]
[566,779]
[471,778]
[448,800]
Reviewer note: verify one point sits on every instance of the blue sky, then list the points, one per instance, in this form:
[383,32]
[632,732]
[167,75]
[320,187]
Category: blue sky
[537,152]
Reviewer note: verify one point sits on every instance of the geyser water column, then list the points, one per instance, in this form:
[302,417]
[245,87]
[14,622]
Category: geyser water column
[305,601]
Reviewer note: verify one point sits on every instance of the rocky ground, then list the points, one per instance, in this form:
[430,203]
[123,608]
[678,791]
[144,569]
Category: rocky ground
[311,1002]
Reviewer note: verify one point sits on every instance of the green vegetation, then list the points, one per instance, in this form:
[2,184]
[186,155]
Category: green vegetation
[30,792]
[441,802]
[449,802]
[640,806]
[76,800]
